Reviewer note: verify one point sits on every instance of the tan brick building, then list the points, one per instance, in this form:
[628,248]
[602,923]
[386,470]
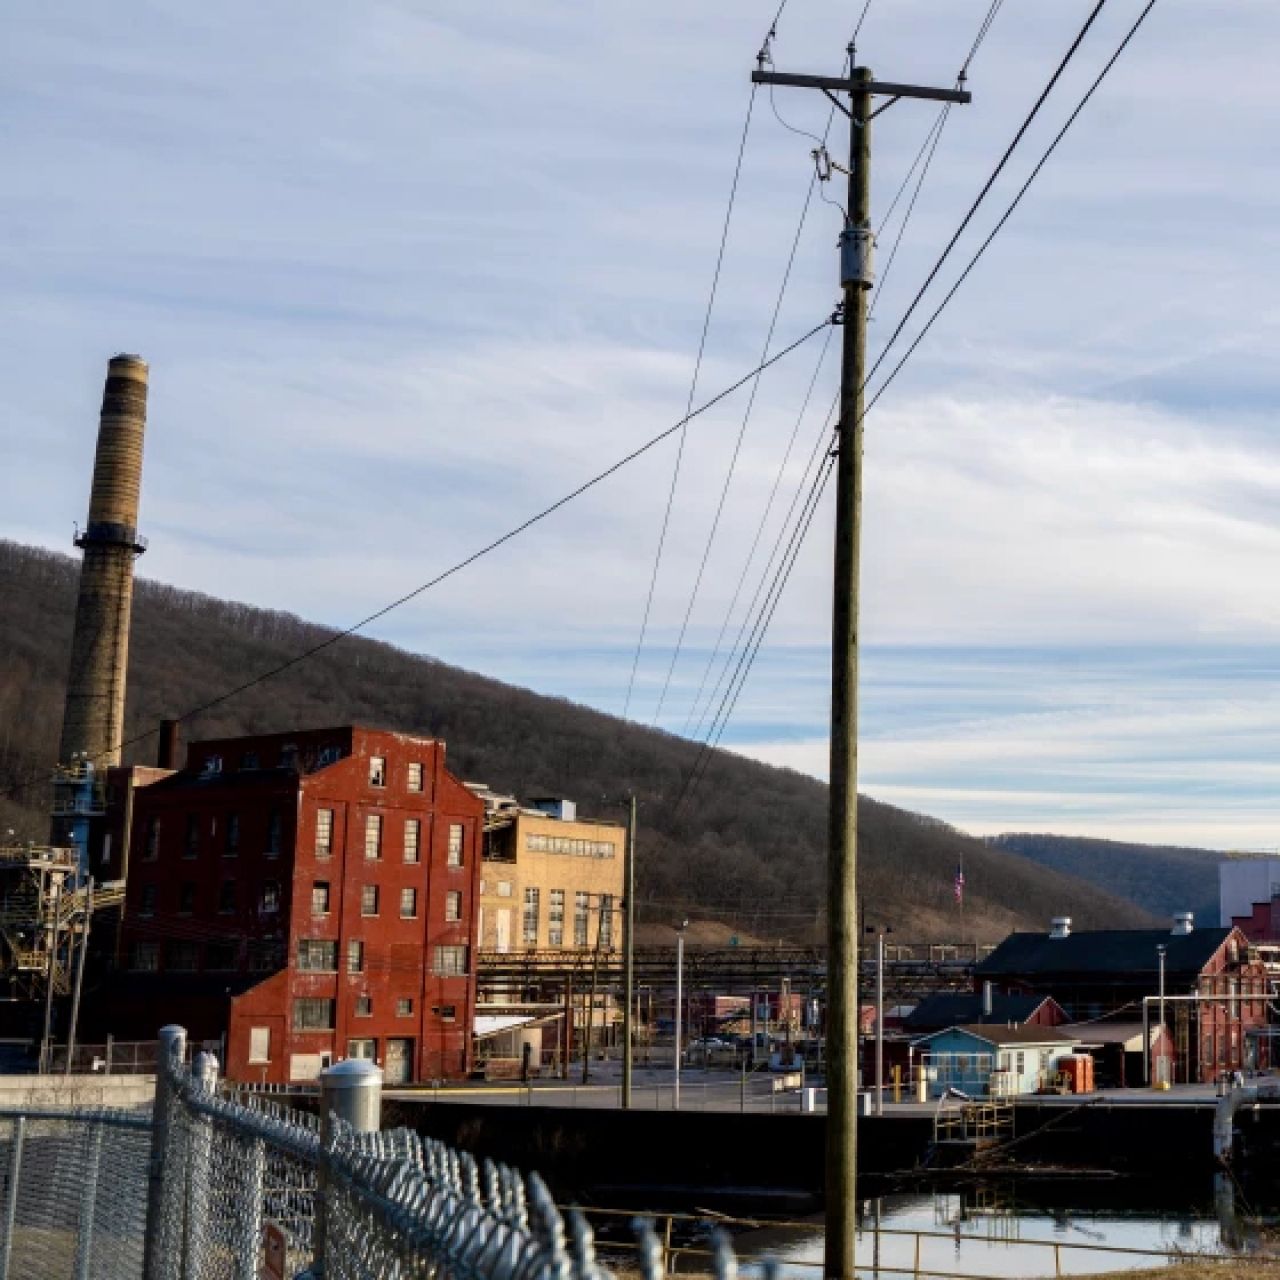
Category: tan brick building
[549,880]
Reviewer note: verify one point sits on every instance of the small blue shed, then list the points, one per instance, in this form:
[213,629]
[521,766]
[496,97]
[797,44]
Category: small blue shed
[986,1061]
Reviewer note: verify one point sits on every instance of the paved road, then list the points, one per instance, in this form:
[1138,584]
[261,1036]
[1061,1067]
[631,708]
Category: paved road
[720,1090]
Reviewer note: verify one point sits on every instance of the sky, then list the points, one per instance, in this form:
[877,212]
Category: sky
[406,273]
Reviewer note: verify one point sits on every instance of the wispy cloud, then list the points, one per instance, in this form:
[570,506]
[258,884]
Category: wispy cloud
[404,276]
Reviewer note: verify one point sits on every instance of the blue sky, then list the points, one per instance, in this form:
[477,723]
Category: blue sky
[406,272]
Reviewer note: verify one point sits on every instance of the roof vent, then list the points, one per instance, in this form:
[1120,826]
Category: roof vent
[1184,922]
[1061,927]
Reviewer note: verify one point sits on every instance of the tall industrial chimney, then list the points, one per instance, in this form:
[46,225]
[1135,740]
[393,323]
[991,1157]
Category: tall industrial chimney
[93,720]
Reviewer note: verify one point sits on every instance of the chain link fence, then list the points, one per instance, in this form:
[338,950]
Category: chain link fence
[212,1183]
[74,1194]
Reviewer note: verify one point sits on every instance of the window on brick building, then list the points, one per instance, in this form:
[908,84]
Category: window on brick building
[317,955]
[269,897]
[147,900]
[415,775]
[364,1006]
[377,771]
[412,840]
[320,898]
[311,1013]
[151,849]
[145,957]
[450,961]
[455,844]
[369,900]
[275,828]
[453,905]
[324,833]
[259,1044]
[555,919]
[232,845]
[186,898]
[265,957]
[355,955]
[249,760]
[530,918]
[404,1007]
[227,898]
[221,956]
[182,957]
[191,846]
[446,1012]
[408,904]
[373,837]
[581,918]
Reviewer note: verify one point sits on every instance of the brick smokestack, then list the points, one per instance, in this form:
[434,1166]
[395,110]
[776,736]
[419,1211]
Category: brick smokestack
[93,721]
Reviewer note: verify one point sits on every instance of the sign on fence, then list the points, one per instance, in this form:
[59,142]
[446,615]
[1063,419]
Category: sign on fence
[275,1249]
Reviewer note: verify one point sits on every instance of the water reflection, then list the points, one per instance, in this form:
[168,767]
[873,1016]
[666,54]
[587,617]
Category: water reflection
[1003,1230]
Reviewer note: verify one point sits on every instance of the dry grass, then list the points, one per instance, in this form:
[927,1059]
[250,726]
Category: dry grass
[1227,1269]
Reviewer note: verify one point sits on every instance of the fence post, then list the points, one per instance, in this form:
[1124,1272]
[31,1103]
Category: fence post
[88,1201]
[252,1190]
[11,1197]
[350,1091]
[169,1055]
[205,1078]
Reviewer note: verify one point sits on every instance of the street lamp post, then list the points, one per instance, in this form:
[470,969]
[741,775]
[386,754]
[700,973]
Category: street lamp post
[675,1084]
[1160,1034]
[880,931]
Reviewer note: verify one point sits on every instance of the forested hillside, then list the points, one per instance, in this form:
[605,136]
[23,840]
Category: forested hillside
[1162,879]
[750,850]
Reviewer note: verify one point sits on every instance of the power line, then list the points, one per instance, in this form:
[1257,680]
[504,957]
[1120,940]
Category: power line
[925,155]
[471,559]
[747,657]
[763,621]
[1017,200]
[693,385]
[737,449]
[760,528]
[990,182]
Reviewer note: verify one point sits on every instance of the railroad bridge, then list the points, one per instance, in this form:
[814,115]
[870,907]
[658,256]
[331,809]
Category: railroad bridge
[911,970]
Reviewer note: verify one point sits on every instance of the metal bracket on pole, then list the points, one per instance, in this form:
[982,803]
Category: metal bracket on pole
[880,88]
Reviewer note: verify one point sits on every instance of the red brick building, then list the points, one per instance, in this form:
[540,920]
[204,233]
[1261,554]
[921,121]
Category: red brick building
[305,897]
[1216,989]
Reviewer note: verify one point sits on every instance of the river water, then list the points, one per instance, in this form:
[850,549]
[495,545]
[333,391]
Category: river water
[1002,1230]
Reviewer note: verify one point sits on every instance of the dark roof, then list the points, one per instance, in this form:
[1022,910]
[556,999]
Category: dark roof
[1007,1035]
[948,1009]
[1111,951]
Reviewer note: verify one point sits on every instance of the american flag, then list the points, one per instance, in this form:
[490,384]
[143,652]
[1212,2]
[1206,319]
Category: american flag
[959,882]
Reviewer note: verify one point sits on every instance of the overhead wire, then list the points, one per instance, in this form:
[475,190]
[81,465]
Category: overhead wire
[1016,201]
[733,459]
[755,541]
[761,628]
[693,389]
[457,567]
[990,182]
[924,155]
[818,180]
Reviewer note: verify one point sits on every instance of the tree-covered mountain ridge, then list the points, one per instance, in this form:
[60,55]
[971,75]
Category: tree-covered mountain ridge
[749,850]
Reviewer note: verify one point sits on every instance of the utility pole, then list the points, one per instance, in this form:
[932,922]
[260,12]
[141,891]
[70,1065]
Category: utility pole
[856,276]
[628,963]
